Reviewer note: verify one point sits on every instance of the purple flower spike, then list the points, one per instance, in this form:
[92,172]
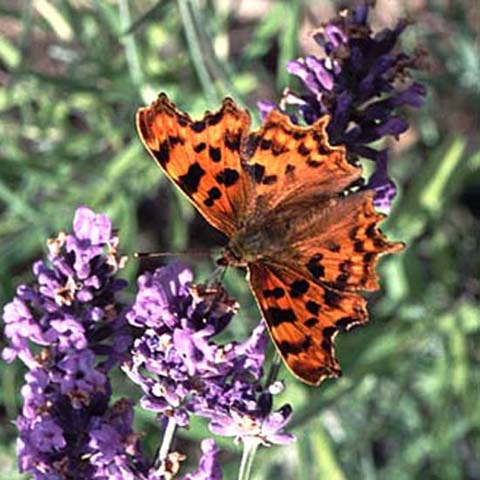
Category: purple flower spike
[69,329]
[179,320]
[182,370]
[361,82]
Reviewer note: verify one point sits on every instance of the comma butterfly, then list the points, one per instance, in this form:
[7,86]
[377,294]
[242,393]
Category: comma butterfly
[281,194]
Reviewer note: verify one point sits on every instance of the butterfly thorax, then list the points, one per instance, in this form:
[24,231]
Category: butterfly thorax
[258,240]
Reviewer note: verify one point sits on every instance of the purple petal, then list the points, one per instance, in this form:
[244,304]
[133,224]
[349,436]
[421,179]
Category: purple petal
[323,76]
[385,189]
[308,77]
[265,107]
[90,226]
[335,35]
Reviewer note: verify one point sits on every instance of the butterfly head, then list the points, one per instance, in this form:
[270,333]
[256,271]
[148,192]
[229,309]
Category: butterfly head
[242,249]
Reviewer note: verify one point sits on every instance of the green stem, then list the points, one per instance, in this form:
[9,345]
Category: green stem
[166,442]
[195,51]
[250,447]
[131,53]
[274,369]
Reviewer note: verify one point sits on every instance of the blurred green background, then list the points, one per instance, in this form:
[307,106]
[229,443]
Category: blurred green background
[73,73]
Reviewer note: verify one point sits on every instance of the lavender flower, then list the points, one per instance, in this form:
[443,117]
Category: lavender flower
[360,83]
[182,371]
[208,467]
[69,330]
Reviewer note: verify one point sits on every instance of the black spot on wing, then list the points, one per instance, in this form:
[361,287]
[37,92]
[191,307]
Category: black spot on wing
[227,177]
[352,234]
[200,147]
[175,140]
[371,231]
[163,153]
[327,337]
[344,322]
[322,149]
[313,163]
[232,141]
[312,307]
[269,180]
[214,119]
[277,149]
[182,120]
[289,348]
[198,127]
[215,154]
[191,180]
[299,135]
[276,293]
[265,144]
[332,299]
[213,194]
[315,266]
[299,288]
[342,279]
[358,246]
[311,322]
[333,246]
[276,316]
[256,171]
[303,150]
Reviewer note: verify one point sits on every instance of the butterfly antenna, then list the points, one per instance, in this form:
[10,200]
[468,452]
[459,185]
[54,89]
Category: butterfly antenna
[173,254]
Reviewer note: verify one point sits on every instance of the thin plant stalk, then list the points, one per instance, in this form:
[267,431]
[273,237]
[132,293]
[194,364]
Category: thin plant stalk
[274,369]
[131,53]
[250,447]
[167,441]
[195,51]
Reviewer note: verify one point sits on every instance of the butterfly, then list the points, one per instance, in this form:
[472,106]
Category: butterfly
[283,196]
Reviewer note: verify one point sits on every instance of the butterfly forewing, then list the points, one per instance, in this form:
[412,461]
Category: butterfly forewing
[290,163]
[202,157]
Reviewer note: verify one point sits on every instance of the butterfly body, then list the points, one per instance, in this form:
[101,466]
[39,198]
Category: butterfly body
[258,241]
[283,196]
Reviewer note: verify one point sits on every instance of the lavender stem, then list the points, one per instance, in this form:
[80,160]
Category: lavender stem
[167,441]
[250,446]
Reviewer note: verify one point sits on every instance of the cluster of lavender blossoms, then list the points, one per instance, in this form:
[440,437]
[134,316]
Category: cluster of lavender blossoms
[70,330]
[361,81]
[183,371]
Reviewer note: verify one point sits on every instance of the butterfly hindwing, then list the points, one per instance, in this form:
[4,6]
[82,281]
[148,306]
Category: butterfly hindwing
[343,249]
[202,157]
[303,318]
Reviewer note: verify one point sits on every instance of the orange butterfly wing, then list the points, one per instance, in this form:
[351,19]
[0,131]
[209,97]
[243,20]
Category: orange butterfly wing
[201,157]
[343,250]
[291,163]
[304,317]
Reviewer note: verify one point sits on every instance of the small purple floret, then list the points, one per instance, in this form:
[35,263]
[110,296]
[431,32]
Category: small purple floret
[209,466]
